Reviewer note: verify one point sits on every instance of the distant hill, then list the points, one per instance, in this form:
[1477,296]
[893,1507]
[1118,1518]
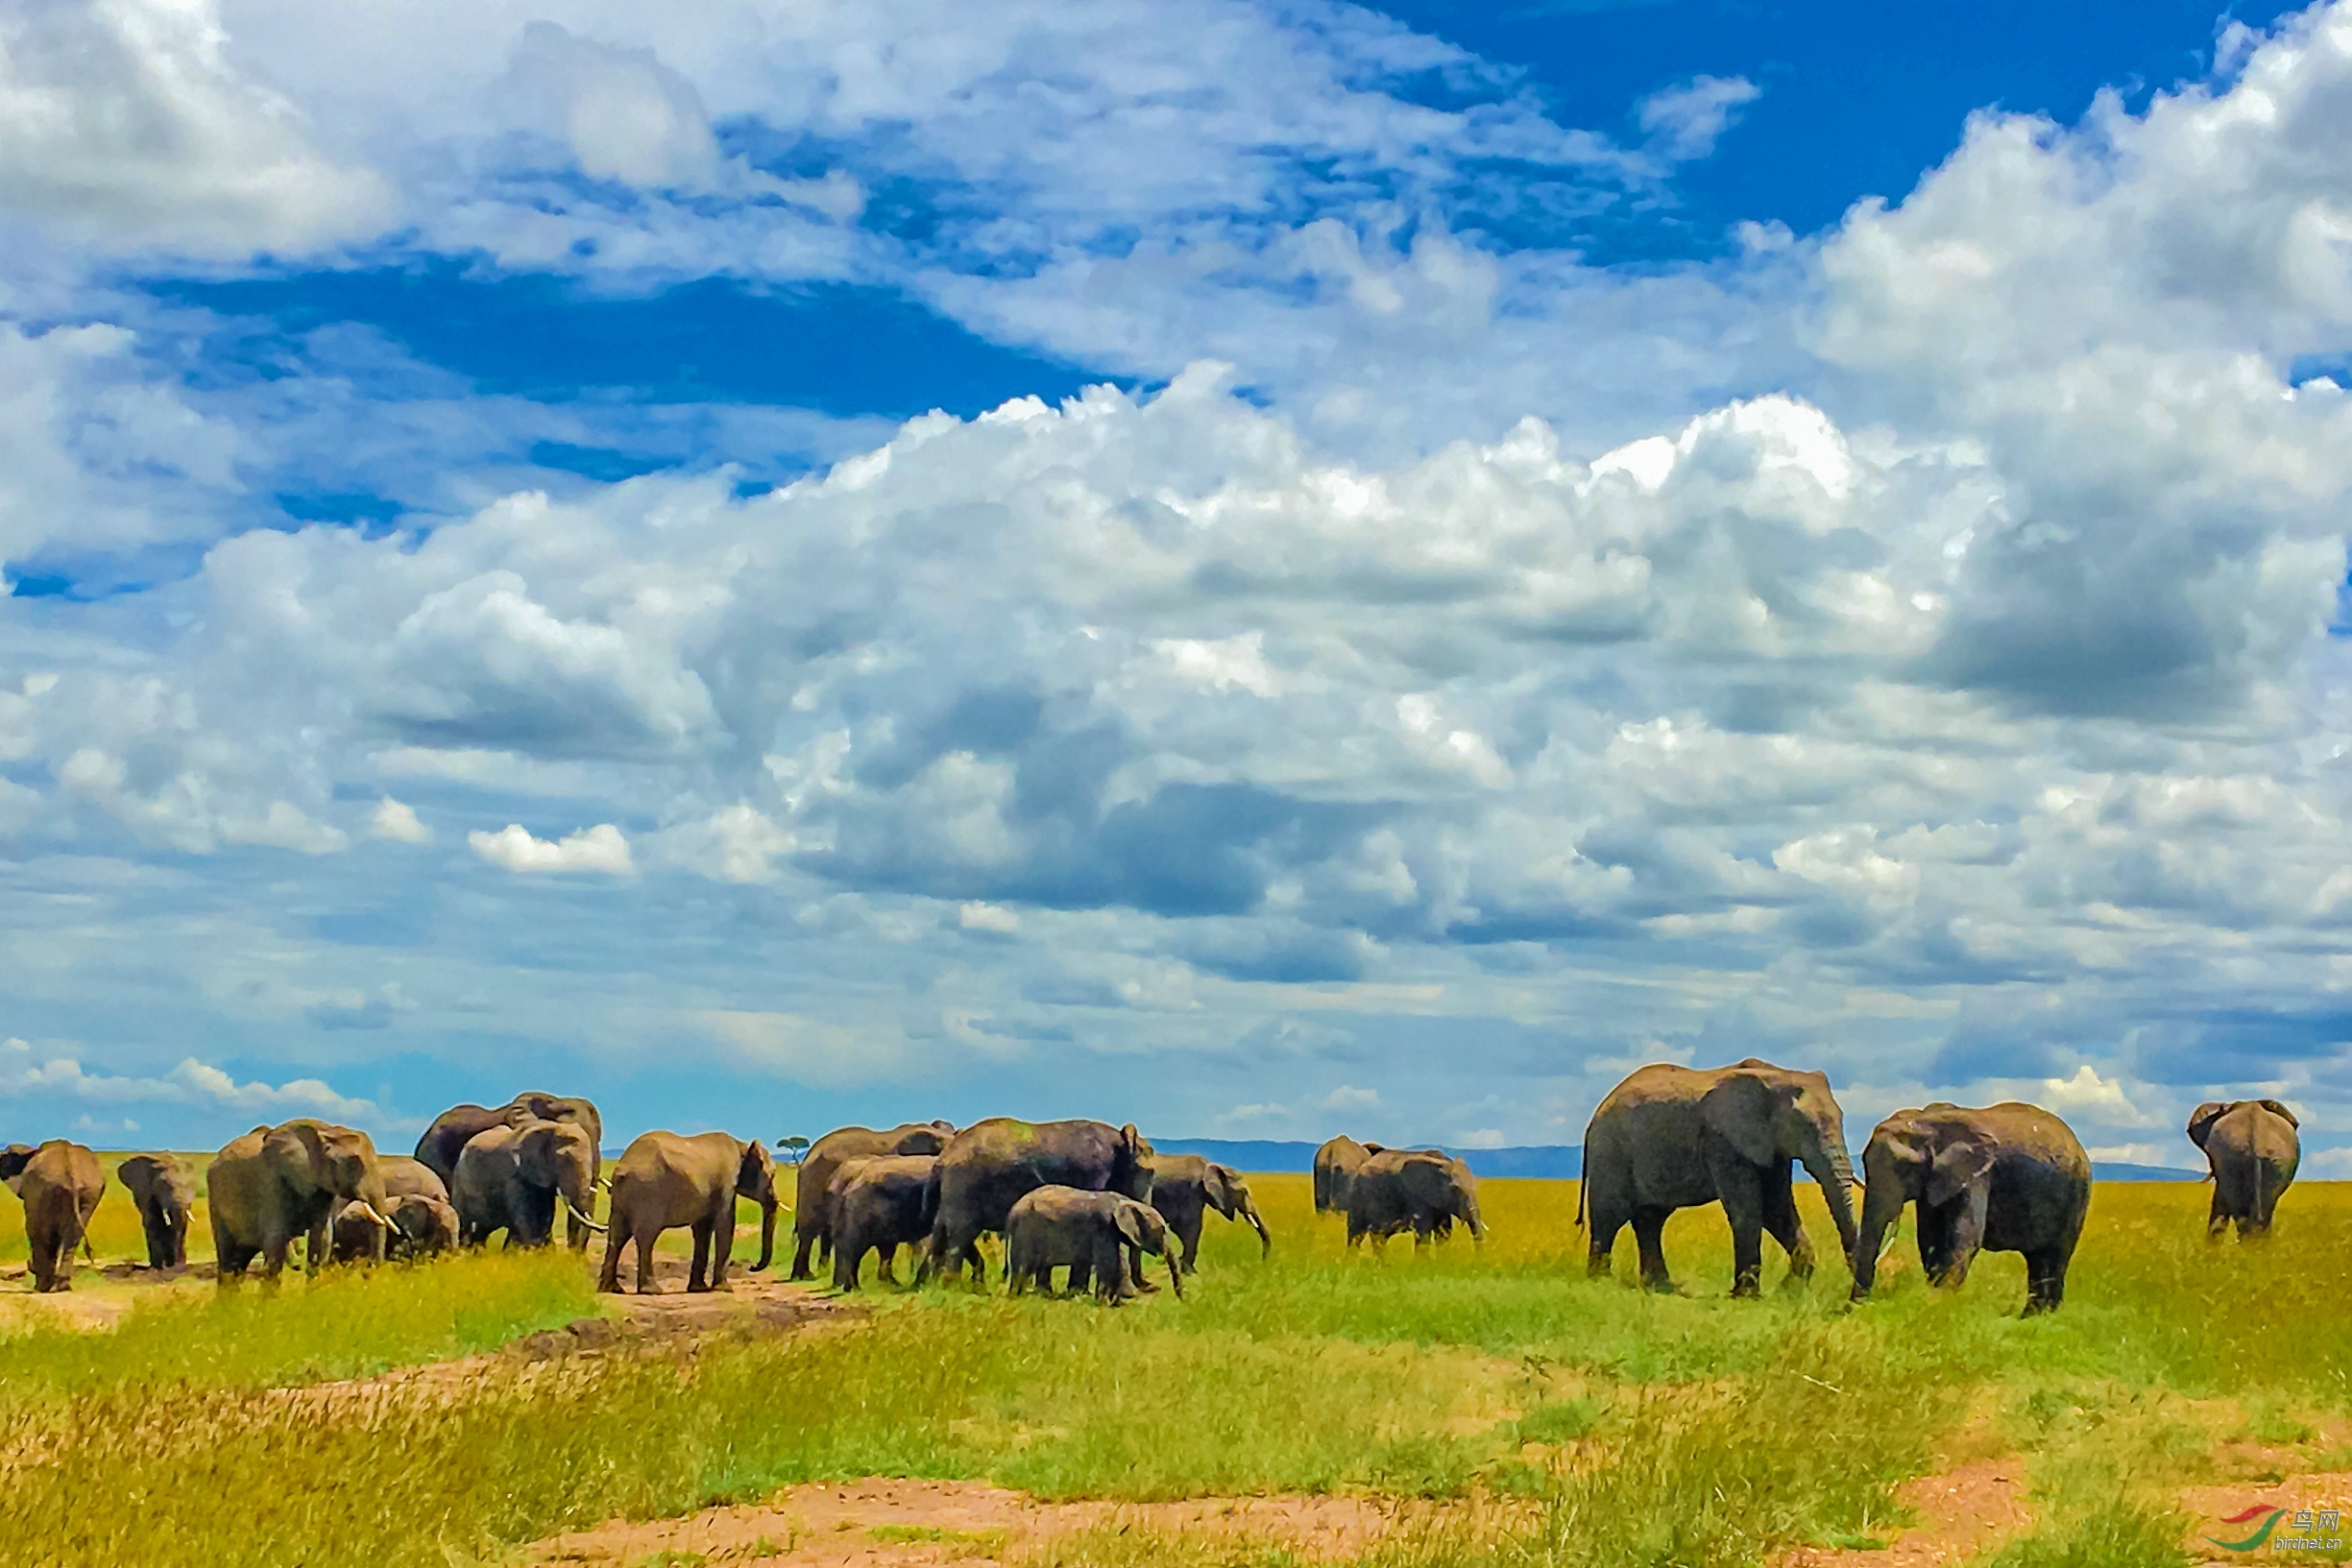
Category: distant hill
[1556,1161]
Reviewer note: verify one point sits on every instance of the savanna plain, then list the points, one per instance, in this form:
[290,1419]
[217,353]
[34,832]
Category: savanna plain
[1464,1406]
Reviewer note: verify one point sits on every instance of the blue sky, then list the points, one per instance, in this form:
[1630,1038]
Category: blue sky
[1264,570]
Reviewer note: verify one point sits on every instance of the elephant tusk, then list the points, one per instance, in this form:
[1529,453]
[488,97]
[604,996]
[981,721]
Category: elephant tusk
[584,1219]
[370,1211]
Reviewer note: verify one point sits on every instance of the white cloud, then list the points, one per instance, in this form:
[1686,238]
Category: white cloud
[1481,1138]
[23,1071]
[1348,1098]
[2089,1096]
[398,822]
[601,848]
[123,121]
[739,844]
[1683,123]
[987,917]
[814,1051]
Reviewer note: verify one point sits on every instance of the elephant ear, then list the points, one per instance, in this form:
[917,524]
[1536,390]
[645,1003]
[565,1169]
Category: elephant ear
[2278,1110]
[1957,1165]
[535,1152]
[1137,1148]
[1742,1111]
[1220,1188]
[2202,1118]
[756,1176]
[1129,1218]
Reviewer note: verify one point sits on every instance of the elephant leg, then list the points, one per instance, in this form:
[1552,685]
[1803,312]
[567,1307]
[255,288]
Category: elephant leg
[1741,1188]
[723,1237]
[2217,1217]
[643,1237]
[616,1237]
[1649,1233]
[1601,1241]
[1785,1227]
[2045,1281]
[885,1262]
[697,1275]
[1190,1238]
[802,1241]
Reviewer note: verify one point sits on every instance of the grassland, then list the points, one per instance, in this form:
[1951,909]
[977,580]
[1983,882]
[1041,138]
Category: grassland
[1560,1420]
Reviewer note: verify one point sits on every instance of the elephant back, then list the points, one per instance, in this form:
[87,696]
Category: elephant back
[992,1165]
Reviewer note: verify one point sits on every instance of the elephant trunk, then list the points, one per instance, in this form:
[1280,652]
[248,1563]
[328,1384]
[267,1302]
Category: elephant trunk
[1266,1241]
[767,1233]
[1882,1202]
[1831,1170]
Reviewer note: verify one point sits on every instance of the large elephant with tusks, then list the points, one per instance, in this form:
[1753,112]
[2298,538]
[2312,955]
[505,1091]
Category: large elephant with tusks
[992,1165]
[1672,1138]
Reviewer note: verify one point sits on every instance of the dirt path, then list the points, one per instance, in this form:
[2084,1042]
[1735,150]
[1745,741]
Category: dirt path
[889,1523]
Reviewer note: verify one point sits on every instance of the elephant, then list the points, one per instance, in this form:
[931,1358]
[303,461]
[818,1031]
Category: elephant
[1185,1185]
[1671,1138]
[2001,1178]
[2253,1149]
[663,1180]
[1091,1233]
[813,1220]
[989,1166]
[61,1184]
[276,1183]
[358,1234]
[457,1126]
[364,1240]
[878,1205]
[1424,1190]
[1335,1164]
[509,1177]
[422,1226]
[164,1190]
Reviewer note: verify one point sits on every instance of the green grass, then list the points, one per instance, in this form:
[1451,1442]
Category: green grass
[1566,1421]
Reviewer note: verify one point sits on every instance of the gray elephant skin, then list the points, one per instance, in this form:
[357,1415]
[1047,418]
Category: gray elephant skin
[1420,1190]
[1184,1187]
[276,1183]
[1090,1232]
[992,1165]
[163,1189]
[881,1204]
[354,1238]
[813,1217]
[1999,1178]
[1336,1163]
[61,1184]
[664,1180]
[446,1140]
[1671,1138]
[2252,1147]
[510,1178]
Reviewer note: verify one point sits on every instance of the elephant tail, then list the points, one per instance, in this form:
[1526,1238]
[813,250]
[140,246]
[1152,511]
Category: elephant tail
[1582,1187]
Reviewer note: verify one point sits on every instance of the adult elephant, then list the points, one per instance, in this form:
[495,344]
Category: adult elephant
[276,1183]
[61,1184]
[457,1126]
[509,1179]
[878,1205]
[1999,1178]
[663,1180]
[1672,1138]
[354,1238]
[2253,1148]
[1423,1190]
[1336,1164]
[1184,1187]
[992,1165]
[813,1202]
[163,1189]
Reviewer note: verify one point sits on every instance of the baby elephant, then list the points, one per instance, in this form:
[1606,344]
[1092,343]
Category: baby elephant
[2253,1149]
[1086,1232]
[421,1227]
[880,1204]
[164,1189]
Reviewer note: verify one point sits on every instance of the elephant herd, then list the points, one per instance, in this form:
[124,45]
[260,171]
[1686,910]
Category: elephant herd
[1095,1199]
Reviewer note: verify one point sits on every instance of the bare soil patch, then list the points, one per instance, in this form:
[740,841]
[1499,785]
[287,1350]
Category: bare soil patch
[887,1523]
[1962,1512]
[2210,1506]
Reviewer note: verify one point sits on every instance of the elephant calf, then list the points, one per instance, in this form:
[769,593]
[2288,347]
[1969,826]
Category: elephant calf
[1423,1190]
[164,1189]
[1089,1232]
[421,1227]
[881,1204]
[2253,1148]
[61,1184]
[2002,1178]
[1184,1186]
[663,1181]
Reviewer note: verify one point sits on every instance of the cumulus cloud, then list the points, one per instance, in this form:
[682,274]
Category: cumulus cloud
[27,1072]
[125,121]
[398,822]
[512,848]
